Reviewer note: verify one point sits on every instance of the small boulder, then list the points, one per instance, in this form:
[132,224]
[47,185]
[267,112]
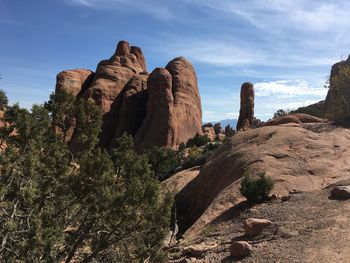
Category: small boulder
[253,226]
[341,192]
[198,250]
[240,249]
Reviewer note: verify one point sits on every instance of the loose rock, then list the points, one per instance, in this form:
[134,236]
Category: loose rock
[253,226]
[240,249]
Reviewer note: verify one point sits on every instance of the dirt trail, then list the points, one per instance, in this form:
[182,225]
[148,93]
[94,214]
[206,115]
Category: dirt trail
[309,227]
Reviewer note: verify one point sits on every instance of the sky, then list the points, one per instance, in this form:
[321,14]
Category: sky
[285,47]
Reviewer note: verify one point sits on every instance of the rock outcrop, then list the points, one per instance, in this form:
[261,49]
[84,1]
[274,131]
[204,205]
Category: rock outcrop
[246,112]
[163,109]
[306,157]
[133,106]
[210,132]
[173,109]
[297,118]
[74,81]
[336,95]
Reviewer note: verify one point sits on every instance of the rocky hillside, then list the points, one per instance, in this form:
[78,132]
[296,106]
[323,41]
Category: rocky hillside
[153,108]
[308,159]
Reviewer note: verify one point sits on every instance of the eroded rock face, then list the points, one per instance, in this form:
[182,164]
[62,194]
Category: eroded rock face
[335,95]
[158,127]
[246,112]
[174,109]
[74,81]
[133,106]
[187,103]
[110,79]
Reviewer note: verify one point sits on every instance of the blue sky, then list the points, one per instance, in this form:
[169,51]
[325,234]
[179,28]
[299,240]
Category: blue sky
[286,48]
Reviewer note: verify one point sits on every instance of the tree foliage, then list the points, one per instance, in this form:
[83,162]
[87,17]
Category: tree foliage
[198,140]
[280,113]
[3,100]
[164,161]
[93,206]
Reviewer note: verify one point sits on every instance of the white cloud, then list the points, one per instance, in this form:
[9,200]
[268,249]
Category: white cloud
[277,15]
[283,89]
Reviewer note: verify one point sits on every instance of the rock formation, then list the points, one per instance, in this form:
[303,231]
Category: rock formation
[158,127]
[297,118]
[162,109]
[173,109]
[336,95]
[246,112]
[133,106]
[74,81]
[210,132]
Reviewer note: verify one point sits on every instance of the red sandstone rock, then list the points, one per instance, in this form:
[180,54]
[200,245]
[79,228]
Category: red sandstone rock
[187,102]
[246,113]
[174,109]
[297,118]
[158,126]
[119,87]
[209,131]
[133,106]
[74,81]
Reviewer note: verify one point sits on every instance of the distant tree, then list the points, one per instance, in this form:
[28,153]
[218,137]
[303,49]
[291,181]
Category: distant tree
[280,113]
[198,140]
[209,124]
[217,128]
[229,131]
[3,100]
[164,161]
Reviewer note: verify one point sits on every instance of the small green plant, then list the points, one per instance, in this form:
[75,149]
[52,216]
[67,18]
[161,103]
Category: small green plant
[209,230]
[256,190]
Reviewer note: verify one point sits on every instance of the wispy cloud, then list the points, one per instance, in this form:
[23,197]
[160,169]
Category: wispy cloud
[292,14]
[283,89]
[162,10]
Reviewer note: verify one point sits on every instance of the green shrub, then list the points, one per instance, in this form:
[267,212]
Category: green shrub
[194,161]
[256,190]
[197,140]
